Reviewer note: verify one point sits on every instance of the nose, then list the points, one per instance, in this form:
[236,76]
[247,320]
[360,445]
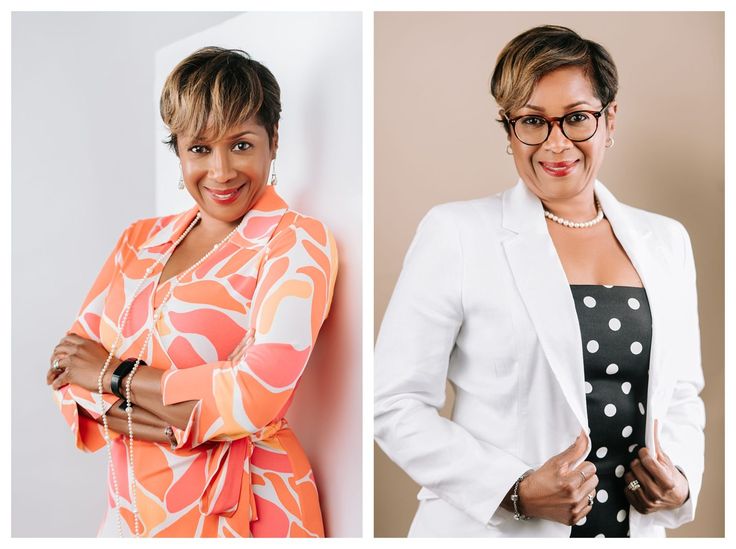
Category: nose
[556,141]
[220,168]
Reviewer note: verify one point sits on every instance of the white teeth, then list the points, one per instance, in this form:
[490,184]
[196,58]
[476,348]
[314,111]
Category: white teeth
[220,196]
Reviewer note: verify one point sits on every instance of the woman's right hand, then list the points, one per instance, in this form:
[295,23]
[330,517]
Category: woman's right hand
[559,491]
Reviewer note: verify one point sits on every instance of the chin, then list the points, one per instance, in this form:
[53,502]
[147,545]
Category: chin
[562,187]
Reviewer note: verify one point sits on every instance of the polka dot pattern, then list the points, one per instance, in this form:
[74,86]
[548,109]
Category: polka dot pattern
[615,329]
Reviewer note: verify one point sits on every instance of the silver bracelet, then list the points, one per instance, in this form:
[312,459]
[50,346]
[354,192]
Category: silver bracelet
[515,498]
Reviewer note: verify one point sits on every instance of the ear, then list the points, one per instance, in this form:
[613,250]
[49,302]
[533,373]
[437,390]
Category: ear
[611,117]
[502,119]
[275,141]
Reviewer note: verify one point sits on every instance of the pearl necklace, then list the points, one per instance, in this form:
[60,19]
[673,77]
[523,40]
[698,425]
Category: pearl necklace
[574,224]
[129,407]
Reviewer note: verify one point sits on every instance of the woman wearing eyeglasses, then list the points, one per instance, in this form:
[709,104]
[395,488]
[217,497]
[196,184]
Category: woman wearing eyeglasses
[566,322]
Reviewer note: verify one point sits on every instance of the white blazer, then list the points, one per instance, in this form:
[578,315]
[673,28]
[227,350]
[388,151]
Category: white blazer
[483,301]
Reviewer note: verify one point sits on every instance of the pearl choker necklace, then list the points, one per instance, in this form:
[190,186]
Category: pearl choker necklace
[574,224]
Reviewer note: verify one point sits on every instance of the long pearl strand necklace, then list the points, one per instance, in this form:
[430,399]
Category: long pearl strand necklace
[574,224]
[129,406]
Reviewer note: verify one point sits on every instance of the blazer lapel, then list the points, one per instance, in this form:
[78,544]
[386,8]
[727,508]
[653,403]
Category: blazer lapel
[646,256]
[545,291]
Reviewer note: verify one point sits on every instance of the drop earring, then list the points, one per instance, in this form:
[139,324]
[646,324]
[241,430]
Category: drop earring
[274,179]
[181,179]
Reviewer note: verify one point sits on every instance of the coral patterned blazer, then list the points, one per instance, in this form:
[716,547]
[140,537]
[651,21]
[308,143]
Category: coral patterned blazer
[238,470]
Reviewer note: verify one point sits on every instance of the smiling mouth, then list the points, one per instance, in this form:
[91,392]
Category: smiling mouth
[225,195]
[559,168]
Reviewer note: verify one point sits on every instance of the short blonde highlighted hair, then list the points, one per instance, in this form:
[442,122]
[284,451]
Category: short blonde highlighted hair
[541,50]
[215,89]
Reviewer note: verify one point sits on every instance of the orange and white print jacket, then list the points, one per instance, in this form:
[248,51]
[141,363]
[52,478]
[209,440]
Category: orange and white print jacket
[238,470]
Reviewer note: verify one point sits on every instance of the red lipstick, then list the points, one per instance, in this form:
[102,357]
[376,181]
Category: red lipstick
[559,169]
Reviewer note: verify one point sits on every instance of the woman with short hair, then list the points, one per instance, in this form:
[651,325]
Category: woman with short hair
[566,321]
[186,352]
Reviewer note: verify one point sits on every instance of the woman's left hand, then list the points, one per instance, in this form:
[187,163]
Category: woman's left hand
[80,362]
[661,485]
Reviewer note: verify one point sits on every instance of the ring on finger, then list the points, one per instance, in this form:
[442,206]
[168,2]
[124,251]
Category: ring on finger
[633,486]
[582,474]
[590,499]
[56,365]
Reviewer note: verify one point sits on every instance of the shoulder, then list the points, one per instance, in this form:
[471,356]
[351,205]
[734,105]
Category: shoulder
[668,234]
[300,227]
[145,228]
[141,230]
[466,213]
[305,239]
[663,227]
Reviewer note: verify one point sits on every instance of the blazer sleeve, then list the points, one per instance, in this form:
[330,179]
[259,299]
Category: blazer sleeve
[412,357]
[88,434]
[291,300]
[682,428]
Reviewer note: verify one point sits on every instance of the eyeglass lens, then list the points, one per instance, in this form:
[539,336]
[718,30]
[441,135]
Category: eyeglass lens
[576,126]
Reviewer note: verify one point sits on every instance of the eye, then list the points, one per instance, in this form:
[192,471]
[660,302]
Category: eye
[242,146]
[577,118]
[533,121]
[198,149]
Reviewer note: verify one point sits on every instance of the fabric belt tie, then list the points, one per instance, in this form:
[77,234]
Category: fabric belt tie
[230,463]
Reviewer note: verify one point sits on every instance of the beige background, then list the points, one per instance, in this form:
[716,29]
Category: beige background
[436,141]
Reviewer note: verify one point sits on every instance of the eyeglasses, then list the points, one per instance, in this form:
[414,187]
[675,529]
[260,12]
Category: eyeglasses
[534,129]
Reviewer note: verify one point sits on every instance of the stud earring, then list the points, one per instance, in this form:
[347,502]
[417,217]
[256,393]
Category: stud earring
[274,179]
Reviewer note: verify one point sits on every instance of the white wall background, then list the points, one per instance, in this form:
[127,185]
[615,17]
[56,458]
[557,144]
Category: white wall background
[83,167]
[316,58]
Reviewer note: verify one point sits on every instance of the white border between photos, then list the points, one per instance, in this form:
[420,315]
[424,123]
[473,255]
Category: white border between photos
[368,7]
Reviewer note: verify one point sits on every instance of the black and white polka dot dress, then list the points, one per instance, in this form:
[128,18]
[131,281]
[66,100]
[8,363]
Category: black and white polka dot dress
[616,329]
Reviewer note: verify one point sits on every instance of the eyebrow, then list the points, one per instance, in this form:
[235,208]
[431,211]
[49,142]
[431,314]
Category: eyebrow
[570,106]
[230,138]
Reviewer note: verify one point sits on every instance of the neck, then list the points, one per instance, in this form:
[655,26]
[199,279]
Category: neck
[577,208]
[214,229]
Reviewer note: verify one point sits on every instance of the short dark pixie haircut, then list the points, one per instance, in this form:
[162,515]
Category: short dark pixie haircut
[215,89]
[541,50]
